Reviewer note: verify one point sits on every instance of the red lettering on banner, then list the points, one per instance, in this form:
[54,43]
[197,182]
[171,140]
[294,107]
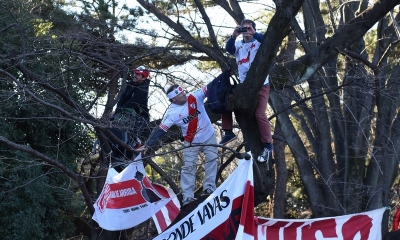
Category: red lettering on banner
[357,223]
[273,231]
[125,194]
[261,221]
[289,229]
[290,232]
[326,227]
[104,197]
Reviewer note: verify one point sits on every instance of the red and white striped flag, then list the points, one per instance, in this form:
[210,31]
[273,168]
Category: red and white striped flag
[167,214]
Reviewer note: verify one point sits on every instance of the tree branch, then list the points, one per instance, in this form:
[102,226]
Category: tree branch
[62,167]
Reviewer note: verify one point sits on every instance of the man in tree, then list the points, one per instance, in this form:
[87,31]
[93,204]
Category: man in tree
[136,94]
[131,116]
[132,106]
[245,51]
[187,111]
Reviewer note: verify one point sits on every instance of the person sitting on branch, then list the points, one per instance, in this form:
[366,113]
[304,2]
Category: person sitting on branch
[131,117]
[245,50]
[135,96]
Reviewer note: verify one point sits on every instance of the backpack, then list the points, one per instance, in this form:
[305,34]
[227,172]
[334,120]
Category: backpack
[220,94]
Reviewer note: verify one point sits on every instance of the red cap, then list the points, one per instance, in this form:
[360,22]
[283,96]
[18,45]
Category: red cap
[142,70]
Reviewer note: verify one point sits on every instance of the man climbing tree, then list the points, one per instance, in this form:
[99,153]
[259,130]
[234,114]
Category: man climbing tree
[131,116]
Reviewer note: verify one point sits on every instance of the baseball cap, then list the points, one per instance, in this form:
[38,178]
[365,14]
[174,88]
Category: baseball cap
[142,70]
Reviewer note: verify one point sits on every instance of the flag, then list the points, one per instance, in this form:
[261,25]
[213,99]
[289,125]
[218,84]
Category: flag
[362,226]
[226,214]
[167,214]
[128,198]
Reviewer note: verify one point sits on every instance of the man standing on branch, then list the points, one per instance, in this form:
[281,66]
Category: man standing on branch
[132,109]
[245,50]
[136,94]
[131,116]
[187,111]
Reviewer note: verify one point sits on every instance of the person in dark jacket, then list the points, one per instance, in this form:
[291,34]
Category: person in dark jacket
[136,94]
[131,116]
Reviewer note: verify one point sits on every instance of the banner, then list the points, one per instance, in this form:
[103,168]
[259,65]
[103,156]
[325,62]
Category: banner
[360,226]
[226,214]
[167,214]
[128,198]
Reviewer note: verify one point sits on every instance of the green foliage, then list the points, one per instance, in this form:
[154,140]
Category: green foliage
[37,198]
[116,15]
[171,164]
[32,202]
[42,27]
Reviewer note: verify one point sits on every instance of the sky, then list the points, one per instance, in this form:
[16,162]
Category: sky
[157,98]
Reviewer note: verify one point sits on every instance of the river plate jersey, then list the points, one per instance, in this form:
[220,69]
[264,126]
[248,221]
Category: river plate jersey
[245,53]
[191,118]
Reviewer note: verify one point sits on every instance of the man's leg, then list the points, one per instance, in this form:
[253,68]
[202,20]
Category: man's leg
[227,126]
[210,166]
[227,121]
[262,120]
[140,125]
[264,125]
[188,172]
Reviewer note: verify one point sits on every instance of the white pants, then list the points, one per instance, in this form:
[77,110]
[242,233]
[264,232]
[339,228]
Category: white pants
[188,173]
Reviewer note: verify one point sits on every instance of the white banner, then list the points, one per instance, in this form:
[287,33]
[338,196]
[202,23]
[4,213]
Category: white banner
[223,213]
[128,198]
[360,226]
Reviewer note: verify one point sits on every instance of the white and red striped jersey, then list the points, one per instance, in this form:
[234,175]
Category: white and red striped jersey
[245,53]
[191,117]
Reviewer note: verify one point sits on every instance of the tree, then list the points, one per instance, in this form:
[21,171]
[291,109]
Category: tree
[341,136]
[329,173]
[57,67]
[30,210]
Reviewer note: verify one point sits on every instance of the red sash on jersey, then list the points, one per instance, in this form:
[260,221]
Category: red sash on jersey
[192,127]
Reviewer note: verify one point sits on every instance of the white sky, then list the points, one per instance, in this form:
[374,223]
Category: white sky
[226,23]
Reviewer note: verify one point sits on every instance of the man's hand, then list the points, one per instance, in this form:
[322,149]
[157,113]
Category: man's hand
[236,32]
[143,149]
[250,30]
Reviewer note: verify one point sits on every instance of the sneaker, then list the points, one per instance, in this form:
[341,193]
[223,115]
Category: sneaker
[208,191]
[227,138]
[187,201]
[265,154]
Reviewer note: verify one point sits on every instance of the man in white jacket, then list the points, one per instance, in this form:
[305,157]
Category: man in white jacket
[187,111]
[245,50]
